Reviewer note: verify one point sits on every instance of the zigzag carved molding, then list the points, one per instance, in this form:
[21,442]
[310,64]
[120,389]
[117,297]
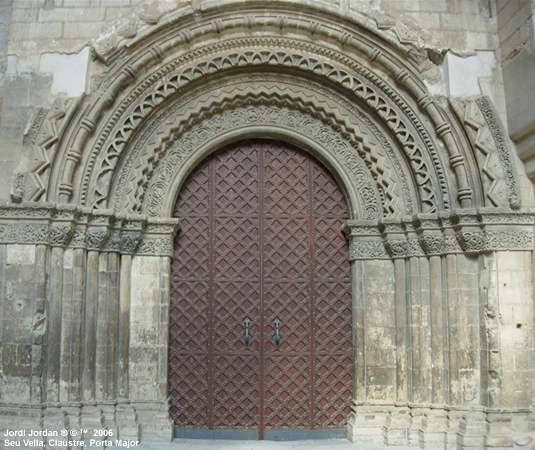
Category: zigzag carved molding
[393,96]
[143,158]
[414,146]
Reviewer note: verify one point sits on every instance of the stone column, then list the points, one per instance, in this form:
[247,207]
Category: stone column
[149,329]
[432,242]
[374,367]
[96,236]
[126,240]
[398,425]
[124,327]
[397,247]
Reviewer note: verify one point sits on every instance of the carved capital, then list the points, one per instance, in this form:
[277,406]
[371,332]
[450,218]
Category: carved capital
[424,235]
[60,234]
[158,237]
[361,228]
[98,229]
[397,248]
[129,242]
[472,241]
[415,249]
[367,250]
[96,238]
[432,244]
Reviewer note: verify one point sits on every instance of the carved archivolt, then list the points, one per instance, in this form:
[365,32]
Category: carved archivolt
[493,154]
[334,89]
[275,107]
[168,81]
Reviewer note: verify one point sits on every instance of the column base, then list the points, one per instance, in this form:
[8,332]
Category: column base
[441,427]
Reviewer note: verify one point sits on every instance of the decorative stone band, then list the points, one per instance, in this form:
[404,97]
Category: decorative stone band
[464,231]
[78,227]
[388,405]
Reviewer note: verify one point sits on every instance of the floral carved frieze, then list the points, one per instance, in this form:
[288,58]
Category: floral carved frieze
[239,119]
[474,231]
[74,227]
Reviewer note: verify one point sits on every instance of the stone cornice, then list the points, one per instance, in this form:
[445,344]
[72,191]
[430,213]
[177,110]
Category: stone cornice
[70,226]
[466,231]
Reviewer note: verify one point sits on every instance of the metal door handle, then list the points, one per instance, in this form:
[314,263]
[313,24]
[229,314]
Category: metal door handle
[277,336]
[246,336]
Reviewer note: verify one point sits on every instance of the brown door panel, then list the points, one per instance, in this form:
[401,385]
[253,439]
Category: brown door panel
[260,242]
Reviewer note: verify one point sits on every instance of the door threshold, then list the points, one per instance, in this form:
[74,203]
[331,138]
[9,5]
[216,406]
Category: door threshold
[238,435]
[269,435]
[301,435]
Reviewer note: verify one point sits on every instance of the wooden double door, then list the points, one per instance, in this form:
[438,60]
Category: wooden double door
[260,328]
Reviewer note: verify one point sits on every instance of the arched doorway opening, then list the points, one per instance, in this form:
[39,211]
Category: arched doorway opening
[260,328]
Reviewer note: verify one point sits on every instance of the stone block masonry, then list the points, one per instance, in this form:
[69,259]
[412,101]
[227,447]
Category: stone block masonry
[109,105]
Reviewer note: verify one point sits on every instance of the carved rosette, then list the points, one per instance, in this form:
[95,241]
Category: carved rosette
[75,227]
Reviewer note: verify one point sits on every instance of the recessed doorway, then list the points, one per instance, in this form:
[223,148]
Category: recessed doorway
[260,330]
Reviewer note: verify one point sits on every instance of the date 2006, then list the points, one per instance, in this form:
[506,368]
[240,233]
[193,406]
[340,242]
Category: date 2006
[101,433]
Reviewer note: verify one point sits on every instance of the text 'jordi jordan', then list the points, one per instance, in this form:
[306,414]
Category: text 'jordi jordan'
[30,433]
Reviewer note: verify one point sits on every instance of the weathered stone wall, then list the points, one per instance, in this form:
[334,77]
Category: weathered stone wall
[516,24]
[391,100]
[84,327]
[24,296]
[45,58]
[444,329]
[510,329]
[5,19]
[42,57]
